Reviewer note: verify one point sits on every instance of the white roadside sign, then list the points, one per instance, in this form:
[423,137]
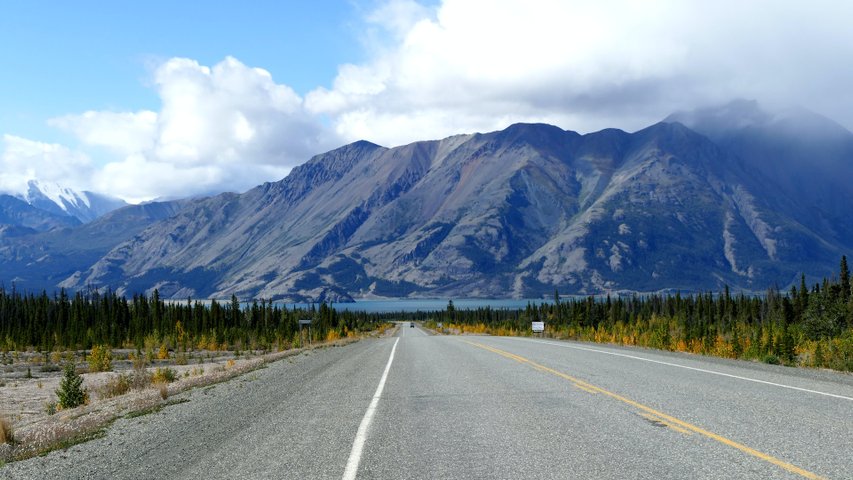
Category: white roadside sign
[538,326]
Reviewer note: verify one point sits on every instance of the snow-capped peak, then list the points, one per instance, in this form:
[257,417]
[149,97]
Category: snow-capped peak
[63,197]
[52,197]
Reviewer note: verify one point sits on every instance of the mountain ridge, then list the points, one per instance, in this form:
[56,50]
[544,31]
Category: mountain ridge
[38,260]
[15,212]
[518,212]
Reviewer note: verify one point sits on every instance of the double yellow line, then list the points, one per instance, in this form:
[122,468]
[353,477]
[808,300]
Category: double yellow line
[668,420]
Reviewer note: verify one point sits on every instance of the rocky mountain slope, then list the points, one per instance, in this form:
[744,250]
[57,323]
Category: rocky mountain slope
[17,217]
[40,260]
[517,212]
[808,157]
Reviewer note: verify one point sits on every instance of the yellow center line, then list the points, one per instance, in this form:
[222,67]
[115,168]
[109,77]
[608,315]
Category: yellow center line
[668,419]
[587,390]
[655,419]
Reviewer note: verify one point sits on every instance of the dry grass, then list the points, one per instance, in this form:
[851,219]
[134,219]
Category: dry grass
[6,433]
[386,327]
[54,431]
[115,386]
[333,335]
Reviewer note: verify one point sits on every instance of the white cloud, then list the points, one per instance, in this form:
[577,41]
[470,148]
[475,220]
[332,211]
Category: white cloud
[167,179]
[398,16]
[215,114]
[474,65]
[225,128]
[459,67]
[24,160]
[125,132]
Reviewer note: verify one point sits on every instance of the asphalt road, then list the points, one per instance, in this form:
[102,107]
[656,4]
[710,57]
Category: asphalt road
[485,407]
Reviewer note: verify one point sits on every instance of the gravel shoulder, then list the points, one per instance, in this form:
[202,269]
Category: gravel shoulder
[273,422]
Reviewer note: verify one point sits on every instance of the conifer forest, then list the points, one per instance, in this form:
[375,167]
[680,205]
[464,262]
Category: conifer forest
[809,325]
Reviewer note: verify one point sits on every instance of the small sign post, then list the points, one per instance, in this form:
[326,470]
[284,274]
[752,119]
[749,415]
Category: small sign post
[538,327]
[305,322]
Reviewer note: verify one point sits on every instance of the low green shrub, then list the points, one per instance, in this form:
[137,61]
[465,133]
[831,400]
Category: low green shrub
[771,359]
[50,367]
[163,375]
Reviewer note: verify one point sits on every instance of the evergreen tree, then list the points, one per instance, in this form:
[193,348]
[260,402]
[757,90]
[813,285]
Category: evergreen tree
[737,346]
[818,359]
[71,392]
[235,310]
[557,306]
[804,294]
[787,348]
[844,279]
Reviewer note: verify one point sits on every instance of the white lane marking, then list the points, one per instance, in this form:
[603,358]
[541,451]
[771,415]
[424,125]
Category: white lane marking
[686,367]
[361,435]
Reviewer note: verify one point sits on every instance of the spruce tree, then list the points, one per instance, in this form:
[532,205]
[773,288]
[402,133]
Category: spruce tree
[71,392]
[235,310]
[788,346]
[844,279]
[557,306]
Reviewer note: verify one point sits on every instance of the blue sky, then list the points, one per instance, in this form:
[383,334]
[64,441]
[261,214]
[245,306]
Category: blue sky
[157,99]
[84,55]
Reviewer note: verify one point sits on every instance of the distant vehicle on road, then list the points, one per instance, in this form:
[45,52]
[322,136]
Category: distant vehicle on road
[411,324]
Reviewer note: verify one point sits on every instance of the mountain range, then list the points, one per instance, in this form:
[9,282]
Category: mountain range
[726,196]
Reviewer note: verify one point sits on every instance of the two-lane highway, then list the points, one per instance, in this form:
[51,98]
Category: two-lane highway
[486,407]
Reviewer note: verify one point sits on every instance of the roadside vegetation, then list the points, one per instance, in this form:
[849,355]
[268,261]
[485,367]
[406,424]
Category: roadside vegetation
[806,326]
[70,365]
[82,413]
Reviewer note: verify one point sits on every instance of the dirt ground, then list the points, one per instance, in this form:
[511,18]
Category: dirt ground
[28,383]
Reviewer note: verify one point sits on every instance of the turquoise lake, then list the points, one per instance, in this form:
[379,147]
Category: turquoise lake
[427,305]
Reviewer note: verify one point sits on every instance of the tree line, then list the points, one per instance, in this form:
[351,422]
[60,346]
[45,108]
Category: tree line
[85,319]
[806,326]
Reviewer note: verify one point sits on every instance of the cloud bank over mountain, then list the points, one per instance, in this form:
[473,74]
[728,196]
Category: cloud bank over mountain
[458,66]
[22,160]
[480,65]
[227,127]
